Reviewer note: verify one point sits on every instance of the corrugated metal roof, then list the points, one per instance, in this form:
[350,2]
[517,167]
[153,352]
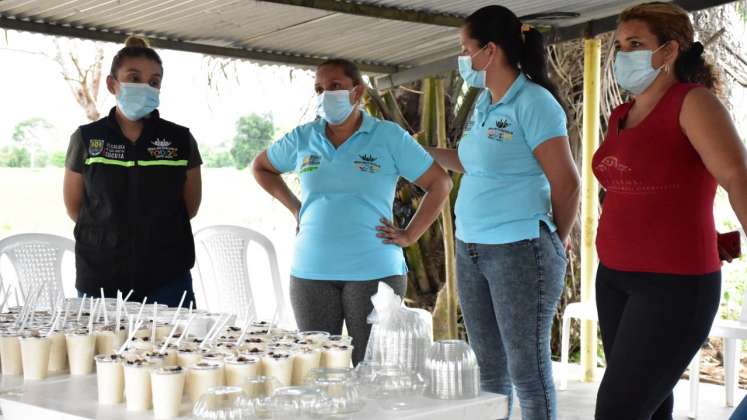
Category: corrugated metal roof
[284,29]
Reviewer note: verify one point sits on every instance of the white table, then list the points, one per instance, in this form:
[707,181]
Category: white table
[74,398]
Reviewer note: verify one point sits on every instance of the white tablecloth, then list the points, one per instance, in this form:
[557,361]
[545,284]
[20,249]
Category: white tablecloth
[75,398]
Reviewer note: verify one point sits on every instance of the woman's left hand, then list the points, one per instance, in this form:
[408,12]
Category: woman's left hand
[393,234]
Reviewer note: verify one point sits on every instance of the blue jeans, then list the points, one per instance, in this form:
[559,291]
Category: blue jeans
[741,412]
[508,295]
[167,294]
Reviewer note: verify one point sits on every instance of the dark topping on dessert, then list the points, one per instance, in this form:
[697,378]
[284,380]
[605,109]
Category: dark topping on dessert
[172,369]
[254,340]
[255,350]
[234,329]
[186,350]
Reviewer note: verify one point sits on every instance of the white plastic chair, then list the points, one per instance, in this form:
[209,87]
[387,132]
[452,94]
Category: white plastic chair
[583,311]
[223,282]
[732,332]
[37,261]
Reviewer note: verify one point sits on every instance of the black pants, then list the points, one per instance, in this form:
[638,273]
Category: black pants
[652,325]
[322,305]
[168,294]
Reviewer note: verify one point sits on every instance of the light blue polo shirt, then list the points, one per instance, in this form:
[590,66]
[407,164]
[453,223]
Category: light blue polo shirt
[344,194]
[504,193]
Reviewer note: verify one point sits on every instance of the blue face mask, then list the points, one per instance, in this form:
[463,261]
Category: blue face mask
[136,100]
[634,71]
[473,78]
[334,106]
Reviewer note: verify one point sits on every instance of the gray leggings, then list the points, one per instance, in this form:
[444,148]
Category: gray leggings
[322,305]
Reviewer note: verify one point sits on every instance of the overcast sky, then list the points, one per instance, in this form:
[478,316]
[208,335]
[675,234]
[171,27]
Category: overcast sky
[31,86]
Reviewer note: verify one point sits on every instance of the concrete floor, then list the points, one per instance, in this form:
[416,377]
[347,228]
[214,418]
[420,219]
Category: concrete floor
[577,402]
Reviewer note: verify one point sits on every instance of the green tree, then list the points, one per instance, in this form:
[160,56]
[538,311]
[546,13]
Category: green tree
[253,134]
[14,157]
[57,159]
[217,157]
[32,134]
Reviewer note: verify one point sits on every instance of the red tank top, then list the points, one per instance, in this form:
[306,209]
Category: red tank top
[657,215]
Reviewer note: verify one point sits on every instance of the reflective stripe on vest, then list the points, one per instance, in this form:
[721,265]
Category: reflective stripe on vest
[130,163]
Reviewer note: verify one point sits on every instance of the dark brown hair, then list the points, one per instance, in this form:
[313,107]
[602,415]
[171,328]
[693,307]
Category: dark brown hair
[347,67]
[135,47]
[670,22]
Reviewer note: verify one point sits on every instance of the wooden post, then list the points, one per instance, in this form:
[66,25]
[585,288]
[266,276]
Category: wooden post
[589,201]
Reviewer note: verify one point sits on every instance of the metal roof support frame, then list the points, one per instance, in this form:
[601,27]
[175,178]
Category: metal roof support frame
[240,53]
[556,35]
[376,11]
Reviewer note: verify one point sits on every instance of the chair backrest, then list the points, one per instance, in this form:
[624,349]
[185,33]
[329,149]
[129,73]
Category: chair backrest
[223,282]
[37,261]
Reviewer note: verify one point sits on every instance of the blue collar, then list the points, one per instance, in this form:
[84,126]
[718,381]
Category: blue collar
[511,93]
[367,124]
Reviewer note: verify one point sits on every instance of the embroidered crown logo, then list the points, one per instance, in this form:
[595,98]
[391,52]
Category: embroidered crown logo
[162,143]
[368,158]
[502,124]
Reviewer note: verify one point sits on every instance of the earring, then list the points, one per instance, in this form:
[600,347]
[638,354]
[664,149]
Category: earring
[666,68]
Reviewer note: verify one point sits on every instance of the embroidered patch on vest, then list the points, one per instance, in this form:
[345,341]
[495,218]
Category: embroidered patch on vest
[95,146]
[162,149]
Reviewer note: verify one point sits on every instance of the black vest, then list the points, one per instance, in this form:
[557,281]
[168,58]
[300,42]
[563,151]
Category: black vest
[133,230]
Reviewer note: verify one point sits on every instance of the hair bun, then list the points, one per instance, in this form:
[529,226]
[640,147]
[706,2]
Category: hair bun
[696,49]
[136,42]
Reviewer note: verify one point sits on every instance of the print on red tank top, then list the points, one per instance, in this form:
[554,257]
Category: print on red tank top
[657,215]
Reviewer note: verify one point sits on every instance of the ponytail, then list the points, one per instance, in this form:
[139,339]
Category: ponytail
[533,60]
[691,67]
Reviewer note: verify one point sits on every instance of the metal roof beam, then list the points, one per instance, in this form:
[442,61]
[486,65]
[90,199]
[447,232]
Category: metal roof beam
[376,11]
[556,35]
[231,52]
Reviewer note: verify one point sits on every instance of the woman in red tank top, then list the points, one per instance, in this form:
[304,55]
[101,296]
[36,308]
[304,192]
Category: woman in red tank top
[659,279]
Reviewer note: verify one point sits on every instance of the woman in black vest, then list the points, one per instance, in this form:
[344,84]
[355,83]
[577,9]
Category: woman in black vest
[132,184]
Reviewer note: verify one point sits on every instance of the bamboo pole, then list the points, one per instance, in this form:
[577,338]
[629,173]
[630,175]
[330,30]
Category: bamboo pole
[446,219]
[589,206]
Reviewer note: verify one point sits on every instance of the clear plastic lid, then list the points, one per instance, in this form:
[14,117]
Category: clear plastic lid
[223,403]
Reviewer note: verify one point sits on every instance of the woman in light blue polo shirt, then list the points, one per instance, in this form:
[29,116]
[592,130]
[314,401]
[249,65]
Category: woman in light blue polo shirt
[517,203]
[349,164]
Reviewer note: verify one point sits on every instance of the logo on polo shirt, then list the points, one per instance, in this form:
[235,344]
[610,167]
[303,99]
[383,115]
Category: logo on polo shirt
[367,163]
[310,163]
[162,149]
[95,146]
[501,131]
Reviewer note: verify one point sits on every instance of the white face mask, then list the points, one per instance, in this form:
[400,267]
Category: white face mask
[334,106]
[634,70]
